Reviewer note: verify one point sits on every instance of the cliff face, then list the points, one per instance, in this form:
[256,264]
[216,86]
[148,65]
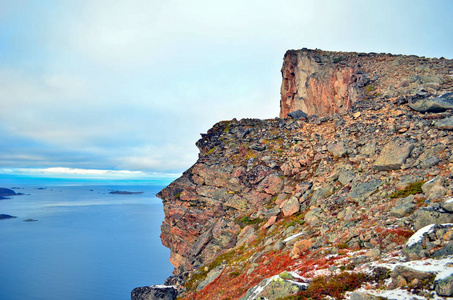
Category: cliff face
[322,82]
[320,195]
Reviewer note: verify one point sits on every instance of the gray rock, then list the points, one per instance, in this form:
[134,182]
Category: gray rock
[430,241]
[313,216]
[298,114]
[368,149]
[273,288]
[212,275]
[362,296]
[434,188]
[444,124]
[278,246]
[345,177]
[448,205]
[429,162]
[402,210]
[438,104]
[337,149]
[272,212]
[365,189]
[322,192]
[444,286]
[428,215]
[258,147]
[393,155]
[430,156]
[154,292]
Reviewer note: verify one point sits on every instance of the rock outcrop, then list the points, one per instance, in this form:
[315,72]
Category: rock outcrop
[311,206]
[322,82]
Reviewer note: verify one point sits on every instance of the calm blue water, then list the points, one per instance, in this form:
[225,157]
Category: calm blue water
[86,244]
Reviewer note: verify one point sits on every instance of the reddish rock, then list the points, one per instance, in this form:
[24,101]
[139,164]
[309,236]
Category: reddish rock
[290,207]
[269,222]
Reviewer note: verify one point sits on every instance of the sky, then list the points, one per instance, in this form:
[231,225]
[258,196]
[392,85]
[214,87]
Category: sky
[128,85]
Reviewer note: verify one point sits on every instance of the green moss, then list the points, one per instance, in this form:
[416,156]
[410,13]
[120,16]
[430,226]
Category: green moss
[369,87]
[296,219]
[285,275]
[411,189]
[210,151]
[343,245]
[246,220]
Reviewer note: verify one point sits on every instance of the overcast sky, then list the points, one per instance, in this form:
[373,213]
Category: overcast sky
[130,84]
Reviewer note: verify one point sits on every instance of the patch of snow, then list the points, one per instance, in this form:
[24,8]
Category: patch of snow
[161,286]
[295,275]
[304,284]
[443,267]
[430,180]
[397,294]
[417,237]
[292,237]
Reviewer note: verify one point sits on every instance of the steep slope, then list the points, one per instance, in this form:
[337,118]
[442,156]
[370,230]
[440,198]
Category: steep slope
[320,205]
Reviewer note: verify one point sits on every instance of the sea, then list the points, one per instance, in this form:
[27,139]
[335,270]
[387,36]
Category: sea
[74,240]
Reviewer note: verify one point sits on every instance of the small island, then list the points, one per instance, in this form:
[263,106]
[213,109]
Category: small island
[5,216]
[4,192]
[125,193]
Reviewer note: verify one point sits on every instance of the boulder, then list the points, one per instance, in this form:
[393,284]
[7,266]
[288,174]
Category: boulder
[434,188]
[154,292]
[337,149]
[448,205]
[444,124]
[212,275]
[444,286]
[298,114]
[430,215]
[430,241]
[290,206]
[365,189]
[274,287]
[437,104]
[393,155]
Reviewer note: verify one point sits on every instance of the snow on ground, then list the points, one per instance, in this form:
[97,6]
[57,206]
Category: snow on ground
[292,237]
[397,294]
[417,237]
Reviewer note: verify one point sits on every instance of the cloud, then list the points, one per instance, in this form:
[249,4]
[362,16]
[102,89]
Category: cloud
[86,173]
[130,84]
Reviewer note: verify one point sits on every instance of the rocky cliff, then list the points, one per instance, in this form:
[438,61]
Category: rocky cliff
[320,82]
[328,202]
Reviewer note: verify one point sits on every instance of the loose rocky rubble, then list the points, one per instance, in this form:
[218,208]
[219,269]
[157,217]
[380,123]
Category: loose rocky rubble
[316,206]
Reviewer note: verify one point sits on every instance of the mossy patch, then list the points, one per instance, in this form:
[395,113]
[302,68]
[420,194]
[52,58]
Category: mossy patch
[411,189]
[246,220]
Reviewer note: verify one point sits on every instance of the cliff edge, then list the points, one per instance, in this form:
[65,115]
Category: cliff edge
[323,82]
[353,195]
